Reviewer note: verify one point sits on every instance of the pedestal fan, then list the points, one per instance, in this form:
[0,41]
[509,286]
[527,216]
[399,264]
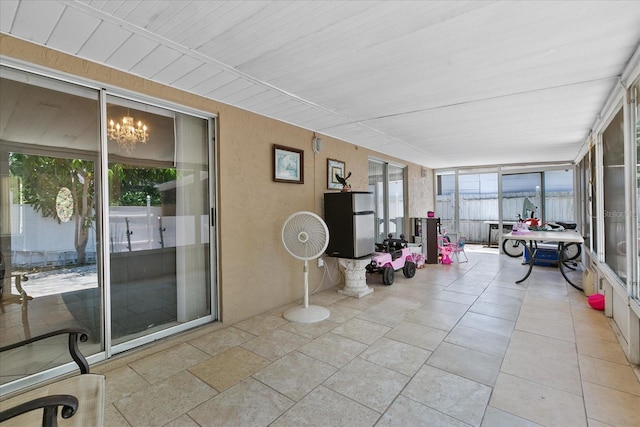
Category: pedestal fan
[305,236]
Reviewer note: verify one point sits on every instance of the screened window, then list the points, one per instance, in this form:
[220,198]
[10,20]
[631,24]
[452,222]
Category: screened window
[614,200]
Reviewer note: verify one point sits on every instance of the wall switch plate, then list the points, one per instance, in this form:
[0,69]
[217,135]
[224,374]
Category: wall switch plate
[320,262]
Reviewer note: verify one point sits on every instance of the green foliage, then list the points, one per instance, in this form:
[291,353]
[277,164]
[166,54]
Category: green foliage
[43,177]
[130,186]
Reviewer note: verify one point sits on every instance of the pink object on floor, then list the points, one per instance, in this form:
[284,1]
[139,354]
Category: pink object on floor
[596,301]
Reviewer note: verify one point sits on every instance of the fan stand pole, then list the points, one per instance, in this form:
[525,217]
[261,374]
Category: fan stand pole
[307,313]
[306,284]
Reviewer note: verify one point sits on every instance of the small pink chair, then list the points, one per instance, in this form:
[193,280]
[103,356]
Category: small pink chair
[458,248]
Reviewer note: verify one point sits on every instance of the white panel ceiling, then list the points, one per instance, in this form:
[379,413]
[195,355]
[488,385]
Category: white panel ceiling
[439,83]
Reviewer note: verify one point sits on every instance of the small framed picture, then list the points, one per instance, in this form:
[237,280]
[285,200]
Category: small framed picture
[334,167]
[288,164]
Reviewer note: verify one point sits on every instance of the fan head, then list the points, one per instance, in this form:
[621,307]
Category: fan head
[305,235]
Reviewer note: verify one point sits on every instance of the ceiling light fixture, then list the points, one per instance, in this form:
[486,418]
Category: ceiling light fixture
[127,135]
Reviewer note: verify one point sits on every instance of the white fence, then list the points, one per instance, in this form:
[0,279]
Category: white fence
[475,209]
[37,241]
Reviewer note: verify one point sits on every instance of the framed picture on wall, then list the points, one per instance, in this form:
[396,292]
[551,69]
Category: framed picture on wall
[288,164]
[334,167]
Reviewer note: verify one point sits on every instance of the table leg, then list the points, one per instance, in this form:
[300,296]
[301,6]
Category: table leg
[561,266]
[532,254]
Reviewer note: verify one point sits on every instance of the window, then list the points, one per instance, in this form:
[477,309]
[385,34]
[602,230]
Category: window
[478,202]
[386,182]
[636,286]
[614,196]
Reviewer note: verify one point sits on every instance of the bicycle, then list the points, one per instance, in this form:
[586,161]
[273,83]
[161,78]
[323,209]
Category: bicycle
[515,247]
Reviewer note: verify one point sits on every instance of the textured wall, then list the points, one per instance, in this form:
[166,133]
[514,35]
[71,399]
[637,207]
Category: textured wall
[256,273]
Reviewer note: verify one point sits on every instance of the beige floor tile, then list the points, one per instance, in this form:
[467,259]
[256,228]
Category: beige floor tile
[333,349]
[113,417]
[395,355]
[362,304]
[513,291]
[457,397]
[361,330]
[341,313]
[495,310]
[122,382]
[229,368]
[595,423]
[608,374]
[310,330]
[494,417]
[546,314]
[433,319]
[466,288]
[467,363]
[455,297]
[168,362]
[275,343]
[543,370]
[538,345]
[261,324]
[546,328]
[541,404]
[611,407]
[446,307]
[324,408]
[475,339]
[367,383]
[417,335]
[407,412]
[498,299]
[249,403]
[556,304]
[183,421]
[390,312]
[220,341]
[164,400]
[295,374]
[605,350]
[488,324]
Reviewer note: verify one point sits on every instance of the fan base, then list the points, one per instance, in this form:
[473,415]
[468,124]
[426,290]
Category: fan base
[311,314]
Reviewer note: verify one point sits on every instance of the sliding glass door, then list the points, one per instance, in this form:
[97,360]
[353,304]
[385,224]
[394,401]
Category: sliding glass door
[158,219]
[108,230]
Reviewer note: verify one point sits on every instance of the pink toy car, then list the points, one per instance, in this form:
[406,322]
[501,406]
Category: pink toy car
[394,255]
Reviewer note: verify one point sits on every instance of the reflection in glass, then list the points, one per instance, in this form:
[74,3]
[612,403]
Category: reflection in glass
[158,223]
[48,252]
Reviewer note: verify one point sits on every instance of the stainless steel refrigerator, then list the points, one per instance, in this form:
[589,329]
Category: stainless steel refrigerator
[350,218]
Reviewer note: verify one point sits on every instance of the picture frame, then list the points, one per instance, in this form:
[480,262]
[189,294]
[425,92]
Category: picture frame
[334,167]
[288,164]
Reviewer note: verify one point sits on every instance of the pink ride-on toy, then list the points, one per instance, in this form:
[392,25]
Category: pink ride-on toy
[393,255]
[445,252]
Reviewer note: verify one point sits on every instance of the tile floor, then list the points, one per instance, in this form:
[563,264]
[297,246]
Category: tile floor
[457,345]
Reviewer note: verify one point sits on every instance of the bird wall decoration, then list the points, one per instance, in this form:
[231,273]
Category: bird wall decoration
[343,181]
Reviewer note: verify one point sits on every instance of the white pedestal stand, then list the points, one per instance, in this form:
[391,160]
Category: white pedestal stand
[355,277]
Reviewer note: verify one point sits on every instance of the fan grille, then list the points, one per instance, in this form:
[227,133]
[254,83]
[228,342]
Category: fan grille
[305,235]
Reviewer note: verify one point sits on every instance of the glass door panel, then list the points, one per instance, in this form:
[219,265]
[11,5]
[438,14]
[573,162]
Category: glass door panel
[48,245]
[159,220]
[521,196]
[478,207]
[376,186]
[446,201]
[396,201]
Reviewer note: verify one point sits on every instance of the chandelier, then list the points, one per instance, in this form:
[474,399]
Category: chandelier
[127,135]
